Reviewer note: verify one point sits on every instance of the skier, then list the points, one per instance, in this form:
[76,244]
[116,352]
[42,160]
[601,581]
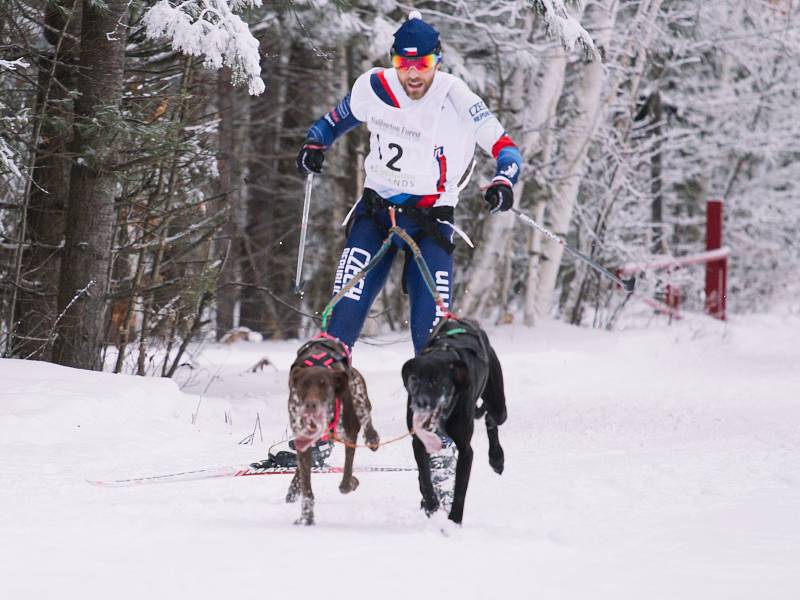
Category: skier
[423,125]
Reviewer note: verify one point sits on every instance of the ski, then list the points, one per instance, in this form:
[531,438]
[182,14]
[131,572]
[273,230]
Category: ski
[233,471]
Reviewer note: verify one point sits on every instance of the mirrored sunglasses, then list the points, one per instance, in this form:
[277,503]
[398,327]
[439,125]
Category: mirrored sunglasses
[420,63]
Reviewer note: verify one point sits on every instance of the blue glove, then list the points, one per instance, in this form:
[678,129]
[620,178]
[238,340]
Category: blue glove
[499,196]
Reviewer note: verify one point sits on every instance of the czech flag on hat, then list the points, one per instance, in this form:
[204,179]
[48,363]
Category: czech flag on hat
[415,37]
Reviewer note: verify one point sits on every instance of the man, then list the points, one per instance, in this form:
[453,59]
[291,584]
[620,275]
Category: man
[423,125]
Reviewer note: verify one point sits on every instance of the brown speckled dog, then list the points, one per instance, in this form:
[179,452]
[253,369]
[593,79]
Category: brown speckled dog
[324,392]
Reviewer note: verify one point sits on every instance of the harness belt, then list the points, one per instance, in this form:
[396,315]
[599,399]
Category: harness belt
[426,218]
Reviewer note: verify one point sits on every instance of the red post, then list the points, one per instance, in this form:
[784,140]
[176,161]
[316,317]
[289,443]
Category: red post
[717,270]
[672,297]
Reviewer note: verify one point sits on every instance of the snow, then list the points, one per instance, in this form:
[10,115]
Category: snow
[646,463]
[209,28]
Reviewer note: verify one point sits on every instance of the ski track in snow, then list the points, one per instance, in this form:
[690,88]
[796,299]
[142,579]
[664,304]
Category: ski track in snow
[646,463]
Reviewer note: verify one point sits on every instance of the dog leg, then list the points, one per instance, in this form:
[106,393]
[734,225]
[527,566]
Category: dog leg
[294,488]
[494,396]
[351,426]
[463,470]
[363,409]
[307,495]
[349,481]
[429,503]
[496,454]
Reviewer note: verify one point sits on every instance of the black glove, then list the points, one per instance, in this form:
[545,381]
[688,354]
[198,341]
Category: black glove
[311,157]
[500,197]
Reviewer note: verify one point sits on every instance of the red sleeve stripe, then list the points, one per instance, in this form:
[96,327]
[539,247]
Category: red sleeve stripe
[503,142]
[387,89]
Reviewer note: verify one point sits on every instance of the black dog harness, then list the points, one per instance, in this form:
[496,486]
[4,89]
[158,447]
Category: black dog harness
[461,337]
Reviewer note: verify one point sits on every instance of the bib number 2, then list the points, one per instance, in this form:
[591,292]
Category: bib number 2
[398,154]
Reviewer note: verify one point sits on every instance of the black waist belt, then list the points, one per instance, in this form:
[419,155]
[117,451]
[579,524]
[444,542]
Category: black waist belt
[426,218]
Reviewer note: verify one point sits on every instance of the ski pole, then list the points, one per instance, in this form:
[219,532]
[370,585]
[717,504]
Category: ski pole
[303,230]
[628,284]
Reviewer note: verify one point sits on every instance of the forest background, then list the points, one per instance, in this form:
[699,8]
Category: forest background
[149,195]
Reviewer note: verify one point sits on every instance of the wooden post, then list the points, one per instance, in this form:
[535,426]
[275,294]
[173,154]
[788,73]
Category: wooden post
[717,270]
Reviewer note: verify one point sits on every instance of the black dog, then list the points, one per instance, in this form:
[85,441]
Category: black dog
[456,367]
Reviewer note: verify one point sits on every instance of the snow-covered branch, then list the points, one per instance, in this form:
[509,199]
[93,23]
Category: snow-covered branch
[562,25]
[213,30]
[12,65]
[7,163]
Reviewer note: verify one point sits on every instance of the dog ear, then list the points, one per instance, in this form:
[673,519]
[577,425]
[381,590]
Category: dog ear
[408,368]
[294,377]
[458,369]
[341,382]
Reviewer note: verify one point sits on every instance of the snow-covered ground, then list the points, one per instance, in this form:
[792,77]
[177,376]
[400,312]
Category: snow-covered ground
[647,463]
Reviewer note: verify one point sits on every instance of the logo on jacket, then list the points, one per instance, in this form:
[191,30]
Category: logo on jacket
[510,171]
[479,112]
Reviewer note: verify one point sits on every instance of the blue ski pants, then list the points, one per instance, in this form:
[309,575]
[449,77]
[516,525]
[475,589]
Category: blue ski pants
[370,228]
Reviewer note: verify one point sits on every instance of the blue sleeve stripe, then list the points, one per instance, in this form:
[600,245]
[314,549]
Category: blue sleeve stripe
[510,154]
[334,124]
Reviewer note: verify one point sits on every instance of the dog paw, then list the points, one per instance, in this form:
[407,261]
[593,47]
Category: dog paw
[429,507]
[497,460]
[305,520]
[454,519]
[349,486]
[372,439]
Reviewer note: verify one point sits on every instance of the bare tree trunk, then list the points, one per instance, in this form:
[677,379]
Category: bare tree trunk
[90,211]
[539,129]
[37,306]
[638,45]
[230,185]
[258,311]
[492,253]
[659,245]
[588,99]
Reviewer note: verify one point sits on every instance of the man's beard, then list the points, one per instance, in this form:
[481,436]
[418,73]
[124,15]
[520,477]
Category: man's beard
[415,93]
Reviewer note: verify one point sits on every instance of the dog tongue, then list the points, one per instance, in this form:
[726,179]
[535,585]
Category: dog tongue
[431,441]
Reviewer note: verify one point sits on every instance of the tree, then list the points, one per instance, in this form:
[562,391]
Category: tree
[90,211]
